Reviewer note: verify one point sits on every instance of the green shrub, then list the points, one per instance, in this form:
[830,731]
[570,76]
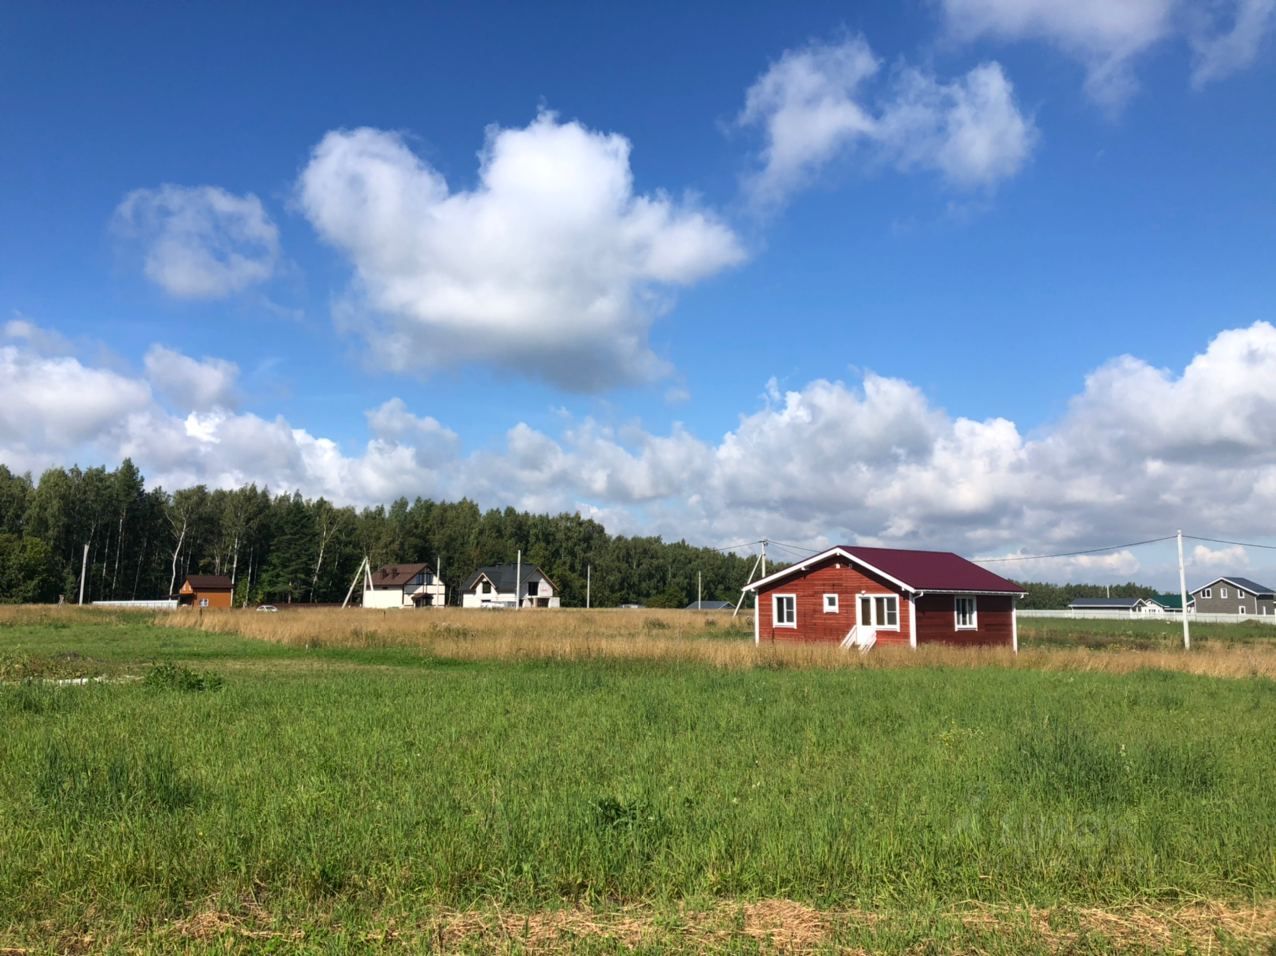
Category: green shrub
[171,676]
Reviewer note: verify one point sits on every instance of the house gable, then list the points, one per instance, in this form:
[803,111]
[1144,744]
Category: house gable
[837,576]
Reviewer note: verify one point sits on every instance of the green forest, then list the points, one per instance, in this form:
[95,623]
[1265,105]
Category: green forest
[284,548]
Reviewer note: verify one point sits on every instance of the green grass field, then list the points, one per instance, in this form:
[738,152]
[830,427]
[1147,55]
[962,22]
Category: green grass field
[253,795]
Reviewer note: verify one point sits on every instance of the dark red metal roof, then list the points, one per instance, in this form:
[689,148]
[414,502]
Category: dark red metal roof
[932,570]
[208,582]
[397,575]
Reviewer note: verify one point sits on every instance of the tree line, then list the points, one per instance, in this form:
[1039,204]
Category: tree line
[1046,597]
[285,548]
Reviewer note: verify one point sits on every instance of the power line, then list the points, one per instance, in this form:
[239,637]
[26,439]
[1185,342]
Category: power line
[1243,544]
[798,548]
[800,554]
[736,547]
[1073,554]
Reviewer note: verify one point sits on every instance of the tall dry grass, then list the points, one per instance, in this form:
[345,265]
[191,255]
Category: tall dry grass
[708,638]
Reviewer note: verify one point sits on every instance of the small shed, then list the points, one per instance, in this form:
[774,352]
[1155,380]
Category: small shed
[206,590]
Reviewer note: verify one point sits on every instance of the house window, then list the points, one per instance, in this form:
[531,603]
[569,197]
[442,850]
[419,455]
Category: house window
[784,610]
[830,604]
[1241,611]
[487,587]
[533,588]
[1240,593]
[965,614]
[880,611]
[1222,592]
[1209,593]
[203,602]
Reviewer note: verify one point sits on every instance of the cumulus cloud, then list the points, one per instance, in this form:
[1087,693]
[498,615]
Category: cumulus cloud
[1107,37]
[191,384]
[1140,452]
[431,442]
[51,405]
[1229,558]
[199,242]
[552,265]
[817,104]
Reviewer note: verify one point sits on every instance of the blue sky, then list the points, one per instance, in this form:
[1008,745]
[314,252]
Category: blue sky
[882,272]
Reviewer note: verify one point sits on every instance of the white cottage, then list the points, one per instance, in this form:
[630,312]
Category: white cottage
[404,585]
[494,586]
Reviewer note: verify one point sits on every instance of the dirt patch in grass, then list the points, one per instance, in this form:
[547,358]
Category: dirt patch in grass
[778,925]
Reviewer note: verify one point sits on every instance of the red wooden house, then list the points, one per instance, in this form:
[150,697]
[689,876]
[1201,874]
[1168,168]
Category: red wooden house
[864,596]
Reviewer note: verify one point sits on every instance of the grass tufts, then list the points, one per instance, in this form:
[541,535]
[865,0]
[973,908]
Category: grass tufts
[116,783]
[170,676]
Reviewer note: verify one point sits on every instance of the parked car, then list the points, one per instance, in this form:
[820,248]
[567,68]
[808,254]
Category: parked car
[270,608]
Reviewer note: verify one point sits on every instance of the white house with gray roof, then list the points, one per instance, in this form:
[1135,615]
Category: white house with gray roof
[495,586]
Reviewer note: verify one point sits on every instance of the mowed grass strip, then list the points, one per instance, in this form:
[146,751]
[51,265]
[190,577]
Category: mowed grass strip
[389,781]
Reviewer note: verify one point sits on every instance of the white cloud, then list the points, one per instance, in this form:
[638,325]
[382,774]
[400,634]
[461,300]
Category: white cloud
[1141,451]
[1220,52]
[551,266]
[49,406]
[190,383]
[430,441]
[971,130]
[816,104]
[200,242]
[1107,36]
[39,339]
[1231,558]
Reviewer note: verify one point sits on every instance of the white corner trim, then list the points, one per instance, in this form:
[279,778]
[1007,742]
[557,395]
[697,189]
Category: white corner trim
[1014,624]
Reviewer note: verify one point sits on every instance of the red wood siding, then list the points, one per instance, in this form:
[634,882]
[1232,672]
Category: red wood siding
[937,621]
[834,576]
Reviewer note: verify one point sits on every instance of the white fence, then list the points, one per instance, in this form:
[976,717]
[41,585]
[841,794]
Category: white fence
[1171,616]
[169,605]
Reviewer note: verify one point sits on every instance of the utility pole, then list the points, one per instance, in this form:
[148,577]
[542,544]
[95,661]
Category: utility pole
[699,592]
[589,570]
[1187,633]
[84,563]
[759,563]
[518,581]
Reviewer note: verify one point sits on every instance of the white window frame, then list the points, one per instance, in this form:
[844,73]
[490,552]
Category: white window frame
[1241,612]
[1222,592]
[203,602]
[974,613]
[873,598]
[1207,593]
[1240,594]
[775,610]
[830,604]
